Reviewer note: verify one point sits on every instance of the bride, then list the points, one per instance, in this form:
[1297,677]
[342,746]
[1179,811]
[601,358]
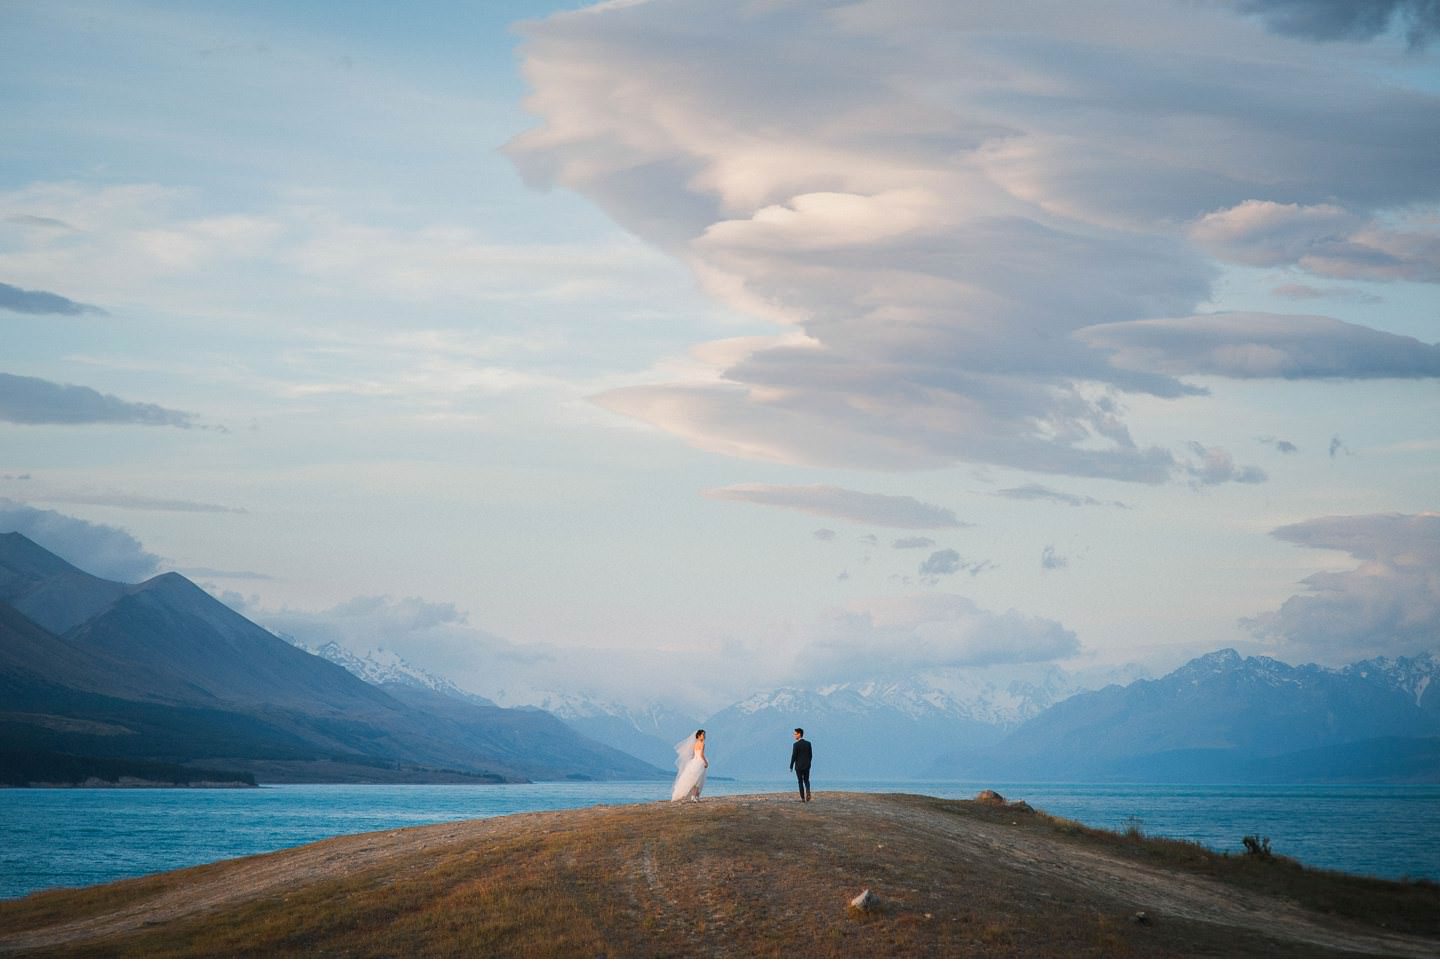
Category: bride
[690,765]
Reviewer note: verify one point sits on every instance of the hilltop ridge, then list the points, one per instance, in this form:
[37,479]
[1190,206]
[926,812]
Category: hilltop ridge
[740,876]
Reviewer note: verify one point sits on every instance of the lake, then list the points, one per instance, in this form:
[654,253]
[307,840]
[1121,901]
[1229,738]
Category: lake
[79,837]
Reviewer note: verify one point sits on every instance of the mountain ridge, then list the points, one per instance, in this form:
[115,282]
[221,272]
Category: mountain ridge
[154,668]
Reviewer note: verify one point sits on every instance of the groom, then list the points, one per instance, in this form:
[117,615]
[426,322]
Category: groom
[800,763]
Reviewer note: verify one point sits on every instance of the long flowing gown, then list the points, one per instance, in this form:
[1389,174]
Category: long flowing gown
[689,771]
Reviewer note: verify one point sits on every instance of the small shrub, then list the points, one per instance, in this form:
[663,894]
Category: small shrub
[1134,827]
[1256,846]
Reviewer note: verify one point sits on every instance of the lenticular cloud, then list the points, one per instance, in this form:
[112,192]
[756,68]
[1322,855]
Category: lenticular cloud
[940,207]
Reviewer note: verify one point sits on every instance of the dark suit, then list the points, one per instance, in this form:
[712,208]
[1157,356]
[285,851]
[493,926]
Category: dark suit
[800,764]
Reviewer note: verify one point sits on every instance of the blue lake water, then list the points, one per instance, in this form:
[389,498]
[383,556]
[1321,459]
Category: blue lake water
[79,837]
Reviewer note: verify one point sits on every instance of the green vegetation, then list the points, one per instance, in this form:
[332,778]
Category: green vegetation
[22,769]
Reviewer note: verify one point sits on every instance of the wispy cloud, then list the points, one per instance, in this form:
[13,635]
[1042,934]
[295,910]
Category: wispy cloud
[948,562]
[30,400]
[1352,20]
[1039,493]
[42,302]
[891,511]
[1213,466]
[1280,445]
[1264,345]
[120,500]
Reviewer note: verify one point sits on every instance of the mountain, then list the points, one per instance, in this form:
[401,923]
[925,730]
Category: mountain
[1223,717]
[648,732]
[530,740]
[160,670]
[858,731]
[385,668]
[48,589]
[889,729]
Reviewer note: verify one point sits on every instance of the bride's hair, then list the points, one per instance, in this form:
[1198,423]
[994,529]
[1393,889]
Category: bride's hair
[700,733]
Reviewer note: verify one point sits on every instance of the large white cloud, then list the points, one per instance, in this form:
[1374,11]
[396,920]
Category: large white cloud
[938,196]
[1389,604]
[900,636]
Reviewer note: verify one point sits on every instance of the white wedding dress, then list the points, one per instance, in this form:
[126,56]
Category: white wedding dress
[689,771]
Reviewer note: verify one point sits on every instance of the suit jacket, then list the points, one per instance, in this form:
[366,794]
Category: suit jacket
[800,755]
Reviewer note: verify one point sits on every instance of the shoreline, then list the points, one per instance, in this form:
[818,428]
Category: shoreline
[738,875]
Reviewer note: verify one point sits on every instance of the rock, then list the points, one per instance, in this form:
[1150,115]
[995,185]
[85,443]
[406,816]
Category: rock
[865,902]
[990,797]
[1022,806]
[1142,917]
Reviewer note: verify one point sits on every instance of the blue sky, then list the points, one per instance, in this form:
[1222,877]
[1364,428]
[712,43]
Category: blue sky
[675,349]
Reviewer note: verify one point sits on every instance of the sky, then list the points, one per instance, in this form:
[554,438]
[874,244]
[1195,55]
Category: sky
[669,351]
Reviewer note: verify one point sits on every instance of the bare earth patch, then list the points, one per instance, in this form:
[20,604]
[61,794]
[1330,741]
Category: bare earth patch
[748,875]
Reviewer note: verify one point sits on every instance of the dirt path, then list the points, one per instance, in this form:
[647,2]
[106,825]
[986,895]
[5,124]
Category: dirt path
[713,878]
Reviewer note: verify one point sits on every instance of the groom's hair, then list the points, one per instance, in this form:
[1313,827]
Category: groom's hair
[800,731]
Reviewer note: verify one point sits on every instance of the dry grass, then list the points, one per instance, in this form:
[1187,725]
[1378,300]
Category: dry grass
[751,876]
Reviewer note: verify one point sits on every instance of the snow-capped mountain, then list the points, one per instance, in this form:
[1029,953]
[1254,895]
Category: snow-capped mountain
[999,699]
[868,730]
[385,668]
[647,731]
[1224,717]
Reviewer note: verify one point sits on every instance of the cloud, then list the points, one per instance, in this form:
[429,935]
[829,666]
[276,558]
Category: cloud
[1300,291]
[947,562]
[41,302]
[1264,345]
[30,400]
[102,550]
[202,572]
[1050,559]
[890,511]
[1039,493]
[412,626]
[1325,240]
[1337,446]
[1216,465]
[947,193]
[1353,20]
[124,500]
[1389,604]
[913,542]
[1281,445]
[824,535]
[941,562]
[928,631]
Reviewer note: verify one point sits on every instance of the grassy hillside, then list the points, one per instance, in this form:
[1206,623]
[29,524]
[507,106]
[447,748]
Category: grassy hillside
[758,875]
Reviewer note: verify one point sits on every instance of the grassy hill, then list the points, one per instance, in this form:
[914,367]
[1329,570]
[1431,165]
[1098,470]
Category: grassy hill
[742,876]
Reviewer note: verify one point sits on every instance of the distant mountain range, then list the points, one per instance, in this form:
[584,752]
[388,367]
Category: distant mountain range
[98,676]
[1220,718]
[648,731]
[161,672]
[1223,717]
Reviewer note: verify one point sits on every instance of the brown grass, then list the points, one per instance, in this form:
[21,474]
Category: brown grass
[754,876]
